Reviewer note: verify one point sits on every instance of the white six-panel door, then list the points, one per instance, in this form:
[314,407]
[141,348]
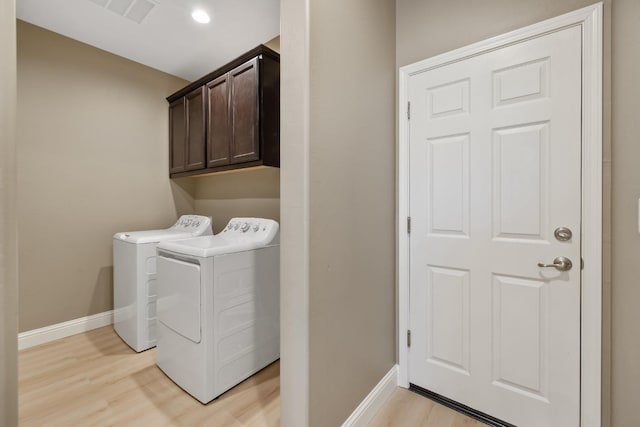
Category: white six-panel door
[495,168]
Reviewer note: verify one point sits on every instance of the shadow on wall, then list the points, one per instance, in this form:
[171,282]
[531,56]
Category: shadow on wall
[243,193]
[102,298]
[183,190]
[256,183]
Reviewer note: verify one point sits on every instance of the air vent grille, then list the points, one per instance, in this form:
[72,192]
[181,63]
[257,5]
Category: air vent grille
[140,10]
[119,6]
[135,10]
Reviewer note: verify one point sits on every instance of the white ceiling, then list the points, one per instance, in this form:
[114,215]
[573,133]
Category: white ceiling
[167,38]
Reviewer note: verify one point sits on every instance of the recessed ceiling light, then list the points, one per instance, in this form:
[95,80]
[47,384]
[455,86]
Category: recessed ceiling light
[200,16]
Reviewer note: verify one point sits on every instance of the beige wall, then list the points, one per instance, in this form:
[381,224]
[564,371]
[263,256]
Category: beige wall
[351,204]
[8,260]
[294,204]
[426,28]
[92,160]
[625,350]
[248,193]
[274,43]
[338,201]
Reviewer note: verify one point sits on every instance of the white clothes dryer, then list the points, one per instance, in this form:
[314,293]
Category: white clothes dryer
[134,278]
[218,306]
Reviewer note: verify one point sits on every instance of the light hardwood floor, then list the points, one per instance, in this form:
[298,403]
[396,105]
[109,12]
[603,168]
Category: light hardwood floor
[406,408]
[94,379]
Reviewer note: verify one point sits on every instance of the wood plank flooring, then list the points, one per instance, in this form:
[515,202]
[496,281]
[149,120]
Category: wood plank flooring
[406,408]
[94,379]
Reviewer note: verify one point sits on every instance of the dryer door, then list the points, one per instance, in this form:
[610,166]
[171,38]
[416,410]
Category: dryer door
[179,296]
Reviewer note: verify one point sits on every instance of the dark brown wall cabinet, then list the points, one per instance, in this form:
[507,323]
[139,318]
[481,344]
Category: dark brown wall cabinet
[187,131]
[228,119]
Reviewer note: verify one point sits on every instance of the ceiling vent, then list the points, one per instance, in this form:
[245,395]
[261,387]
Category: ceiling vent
[135,10]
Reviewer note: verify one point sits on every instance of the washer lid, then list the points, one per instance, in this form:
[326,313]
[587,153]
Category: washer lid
[152,236]
[209,245]
[241,234]
[186,227]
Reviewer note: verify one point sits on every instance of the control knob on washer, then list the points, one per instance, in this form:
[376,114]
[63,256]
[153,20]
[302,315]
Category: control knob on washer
[245,227]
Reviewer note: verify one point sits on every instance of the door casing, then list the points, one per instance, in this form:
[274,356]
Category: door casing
[590,19]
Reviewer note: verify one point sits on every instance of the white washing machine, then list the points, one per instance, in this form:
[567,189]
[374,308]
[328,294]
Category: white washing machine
[134,278]
[218,306]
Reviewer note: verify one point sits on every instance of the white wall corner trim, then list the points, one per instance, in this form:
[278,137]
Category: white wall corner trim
[62,330]
[376,398]
[590,19]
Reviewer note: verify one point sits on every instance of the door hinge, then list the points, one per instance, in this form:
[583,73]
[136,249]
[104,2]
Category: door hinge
[408,225]
[408,338]
[408,110]
[581,263]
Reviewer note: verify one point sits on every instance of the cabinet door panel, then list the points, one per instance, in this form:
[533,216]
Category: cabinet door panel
[177,136]
[195,129]
[244,113]
[218,131]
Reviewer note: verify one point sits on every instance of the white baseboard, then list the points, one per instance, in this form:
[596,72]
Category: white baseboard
[62,330]
[368,408]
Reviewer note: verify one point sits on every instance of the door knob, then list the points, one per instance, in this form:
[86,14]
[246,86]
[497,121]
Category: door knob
[559,263]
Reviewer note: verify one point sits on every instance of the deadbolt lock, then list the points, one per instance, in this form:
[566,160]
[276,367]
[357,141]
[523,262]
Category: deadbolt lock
[563,234]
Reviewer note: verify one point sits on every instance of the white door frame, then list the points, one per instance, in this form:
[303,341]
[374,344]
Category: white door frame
[590,18]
